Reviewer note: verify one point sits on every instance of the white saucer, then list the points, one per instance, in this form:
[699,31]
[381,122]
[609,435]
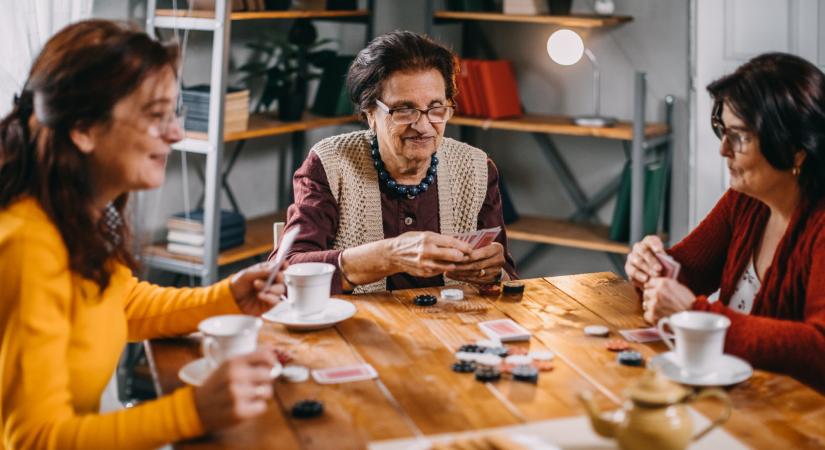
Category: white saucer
[197,371]
[729,370]
[336,311]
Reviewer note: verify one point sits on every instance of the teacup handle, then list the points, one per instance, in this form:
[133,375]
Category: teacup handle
[665,321]
[210,346]
[718,393]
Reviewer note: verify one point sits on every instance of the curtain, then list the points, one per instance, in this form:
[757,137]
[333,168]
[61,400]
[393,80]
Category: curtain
[25,25]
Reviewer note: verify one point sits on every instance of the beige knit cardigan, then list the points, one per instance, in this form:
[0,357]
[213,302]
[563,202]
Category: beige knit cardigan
[462,187]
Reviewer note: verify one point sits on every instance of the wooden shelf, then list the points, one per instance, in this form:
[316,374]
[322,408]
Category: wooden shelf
[262,125]
[567,234]
[259,240]
[576,20]
[262,15]
[563,125]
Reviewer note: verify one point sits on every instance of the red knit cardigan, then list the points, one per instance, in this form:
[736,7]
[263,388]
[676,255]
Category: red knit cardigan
[785,331]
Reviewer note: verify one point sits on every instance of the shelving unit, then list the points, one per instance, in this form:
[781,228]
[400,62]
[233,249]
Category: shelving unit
[581,229]
[211,144]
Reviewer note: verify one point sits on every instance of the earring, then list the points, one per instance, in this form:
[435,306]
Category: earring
[795,171]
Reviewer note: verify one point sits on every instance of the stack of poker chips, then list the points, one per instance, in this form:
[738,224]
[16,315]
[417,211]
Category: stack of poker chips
[489,360]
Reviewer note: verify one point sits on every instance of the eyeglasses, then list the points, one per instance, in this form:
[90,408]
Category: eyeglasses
[738,139]
[161,124]
[406,115]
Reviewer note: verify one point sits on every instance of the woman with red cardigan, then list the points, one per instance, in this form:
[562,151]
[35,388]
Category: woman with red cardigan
[763,244]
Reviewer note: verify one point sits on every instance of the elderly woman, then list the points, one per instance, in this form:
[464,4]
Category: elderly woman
[763,245]
[95,121]
[381,204]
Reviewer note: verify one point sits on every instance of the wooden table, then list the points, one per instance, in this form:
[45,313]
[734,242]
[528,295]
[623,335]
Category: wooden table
[418,393]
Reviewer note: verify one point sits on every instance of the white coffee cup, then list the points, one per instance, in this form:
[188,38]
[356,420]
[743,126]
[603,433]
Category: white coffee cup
[308,287]
[228,336]
[699,339]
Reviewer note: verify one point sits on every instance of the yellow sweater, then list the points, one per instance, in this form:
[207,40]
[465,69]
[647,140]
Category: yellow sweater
[60,340]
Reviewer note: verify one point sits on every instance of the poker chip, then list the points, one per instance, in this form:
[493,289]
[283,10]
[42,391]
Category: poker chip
[617,345]
[470,348]
[518,360]
[462,366]
[487,359]
[630,358]
[295,373]
[512,287]
[498,351]
[307,409]
[544,366]
[526,373]
[488,343]
[425,300]
[466,356]
[490,290]
[452,294]
[542,355]
[486,374]
[596,330]
[517,351]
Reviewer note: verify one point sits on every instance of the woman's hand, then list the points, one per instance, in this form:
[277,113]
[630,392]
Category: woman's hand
[642,264]
[237,390]
[663,297]
[483,267]
[248,284]
[426,254]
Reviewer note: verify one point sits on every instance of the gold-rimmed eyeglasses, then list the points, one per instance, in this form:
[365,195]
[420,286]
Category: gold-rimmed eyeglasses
[406,115]
[160,124]
[738,138]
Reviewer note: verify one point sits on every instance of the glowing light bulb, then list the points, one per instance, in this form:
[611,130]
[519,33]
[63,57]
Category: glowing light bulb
[565,47]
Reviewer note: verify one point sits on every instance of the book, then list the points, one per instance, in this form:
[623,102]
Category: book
[198,238]
[198,250]
[229,219]
[498,82]
[526,7]
[655,188]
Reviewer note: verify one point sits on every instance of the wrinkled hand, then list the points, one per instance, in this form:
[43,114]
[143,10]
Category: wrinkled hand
[427,254]
[663,297]
[642,264]
[483,267]
[248,284]
[237,390]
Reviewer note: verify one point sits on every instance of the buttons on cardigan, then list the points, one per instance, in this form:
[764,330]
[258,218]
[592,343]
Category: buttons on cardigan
[408,221]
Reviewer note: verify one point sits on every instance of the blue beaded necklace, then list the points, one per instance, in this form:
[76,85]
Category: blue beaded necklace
[409,190]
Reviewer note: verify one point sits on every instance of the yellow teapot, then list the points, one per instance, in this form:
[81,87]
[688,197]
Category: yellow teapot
[655,415]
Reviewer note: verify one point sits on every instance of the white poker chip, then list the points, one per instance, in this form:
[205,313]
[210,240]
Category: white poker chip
[295,373]
[466,356]
[488,343]
[518,360]
[452,294]
[542,355]
[487,359]
[596,330]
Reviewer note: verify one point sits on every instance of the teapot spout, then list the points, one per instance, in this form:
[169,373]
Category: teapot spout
[604,424]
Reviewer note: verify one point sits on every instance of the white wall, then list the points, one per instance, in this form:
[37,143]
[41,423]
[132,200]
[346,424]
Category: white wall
[656,42]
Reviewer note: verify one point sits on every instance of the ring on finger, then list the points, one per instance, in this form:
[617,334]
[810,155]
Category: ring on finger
[482,272]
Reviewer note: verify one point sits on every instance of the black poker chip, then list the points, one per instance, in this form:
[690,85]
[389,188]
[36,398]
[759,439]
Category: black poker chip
[464,366]
[485,374]
[425,300]
[307,409]
[630,358]
[471,348]
[526,373]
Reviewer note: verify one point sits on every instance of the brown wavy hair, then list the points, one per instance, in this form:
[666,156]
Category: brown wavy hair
[75,82]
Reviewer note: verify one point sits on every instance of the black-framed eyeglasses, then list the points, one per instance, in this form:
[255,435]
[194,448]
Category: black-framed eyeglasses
[737,138]
[406,115]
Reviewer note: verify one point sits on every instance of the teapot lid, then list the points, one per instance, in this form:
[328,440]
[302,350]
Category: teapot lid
[654,389]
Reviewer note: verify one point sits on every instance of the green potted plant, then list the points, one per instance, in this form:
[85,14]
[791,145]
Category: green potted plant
[286,66]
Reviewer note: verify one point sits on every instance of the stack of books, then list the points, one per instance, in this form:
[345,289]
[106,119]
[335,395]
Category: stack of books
[488,88]
[526,7]
[185,236]
[236,109]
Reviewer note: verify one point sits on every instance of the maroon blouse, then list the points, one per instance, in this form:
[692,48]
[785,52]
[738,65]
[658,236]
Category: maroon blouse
[316,211]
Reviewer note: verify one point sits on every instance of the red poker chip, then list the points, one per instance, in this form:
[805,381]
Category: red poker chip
[617,345]
[544,366]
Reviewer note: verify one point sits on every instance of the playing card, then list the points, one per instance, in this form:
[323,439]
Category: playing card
[487,237]
[505,330]
[641,334]
[670,267]
[344,374]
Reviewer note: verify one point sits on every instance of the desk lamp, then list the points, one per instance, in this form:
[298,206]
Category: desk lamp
[566,47]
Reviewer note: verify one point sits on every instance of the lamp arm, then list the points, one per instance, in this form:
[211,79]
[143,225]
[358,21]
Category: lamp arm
[596,81]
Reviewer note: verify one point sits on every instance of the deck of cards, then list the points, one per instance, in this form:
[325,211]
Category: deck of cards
[479,238]
[670,267]
[344,374]
[505,330]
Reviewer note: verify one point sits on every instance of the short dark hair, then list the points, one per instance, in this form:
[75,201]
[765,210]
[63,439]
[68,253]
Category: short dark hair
[397,51]
[781,98]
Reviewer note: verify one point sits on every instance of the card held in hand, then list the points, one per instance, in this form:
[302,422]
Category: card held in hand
[670,267]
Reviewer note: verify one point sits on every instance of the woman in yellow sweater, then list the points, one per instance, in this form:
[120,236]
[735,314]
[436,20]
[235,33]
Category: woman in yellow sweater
[95,121]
